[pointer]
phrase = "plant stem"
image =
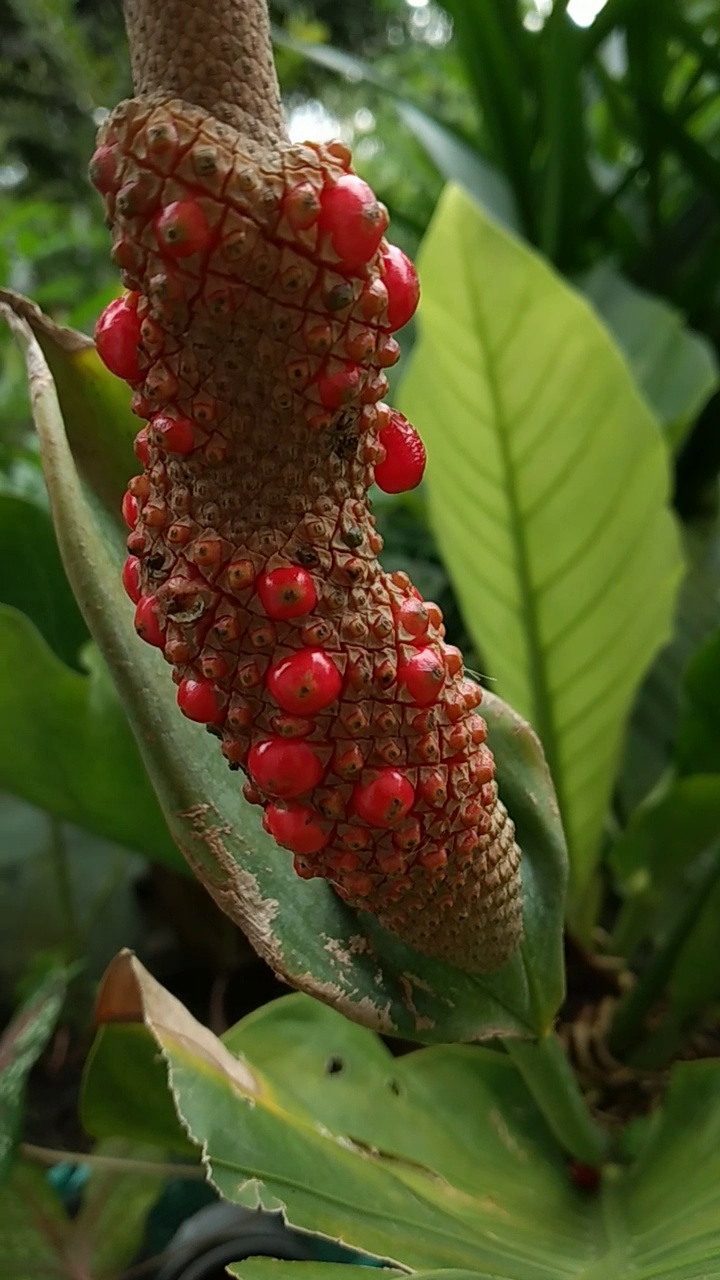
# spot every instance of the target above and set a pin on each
(554, 1087)
(628, 1023)
(61, 873)
(217, 56)
(118, 1164)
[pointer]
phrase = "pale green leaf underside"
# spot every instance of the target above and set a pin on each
(548, 484)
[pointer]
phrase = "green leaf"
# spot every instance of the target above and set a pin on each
(651, 858)
(34, 1228)
(548, 485)
(32, 578)
(301, 928)
(566, 184)
(66, 746)
(698, 740)
(675, 368)
(21, 1044)
(435, 1161)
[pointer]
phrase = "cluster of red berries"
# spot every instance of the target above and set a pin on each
(256, 327)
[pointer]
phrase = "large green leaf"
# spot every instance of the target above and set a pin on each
(675, 368)
(32, 578)
(66, 745)
(436, 1161)
(548, 483)
(698, 741)
(301, 928)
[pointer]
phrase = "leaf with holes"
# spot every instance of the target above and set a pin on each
(548, 484)
(437, 1161)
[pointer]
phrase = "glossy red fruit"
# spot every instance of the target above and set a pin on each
(117, 335)
(130, 510)
(305, 683)
(142, 447)
(338, 389)
(182, 229)
(403, 287)
(197, 700)
(385, 799)
(147, 624)
(412, 619)
(404, 463)
(284, 768)
(295, 828)
(354, 219)
(174, 434)
(423, 675)
(287, 593)
(102, 170)
(131, 578)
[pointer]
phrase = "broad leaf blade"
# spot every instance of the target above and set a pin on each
(675, 368)
(548, 484)
(452, 1170)
(302, 929)
(50, 712)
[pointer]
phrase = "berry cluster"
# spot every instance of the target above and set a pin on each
(262, 298)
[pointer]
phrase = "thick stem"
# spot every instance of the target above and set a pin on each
(217, 56)
(554, 1086)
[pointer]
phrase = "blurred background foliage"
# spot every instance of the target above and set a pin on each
(589, 129)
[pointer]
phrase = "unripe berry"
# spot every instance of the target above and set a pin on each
(197, 700)
(339, 388)
(287, 593)
(182, 229)
(354, 220)
(117, 335)
(147, 624)
(404, 463)
(102, 170)
(305, 683)
(295, 828)
(423, 675)
(131, 578)
(385, 799)
(403, 287)
(141, 446)
(284, 768)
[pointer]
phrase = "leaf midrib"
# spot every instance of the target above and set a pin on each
(542, 718)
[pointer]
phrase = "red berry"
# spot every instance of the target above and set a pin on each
(287, 593)
(423, 675)
(305, 683)
(405, 457)
(383, 801)
(146, 622)
(284, 768)
(174, 434)
(142, 447)
(585, 1176)
(295, 828)
(130, 510)
(102, 170)
(402, 285)
(117, 334)
(338, 389)
(197, 700)
(354, 219)
(131, 578)
(182, 228)
(412, 618)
